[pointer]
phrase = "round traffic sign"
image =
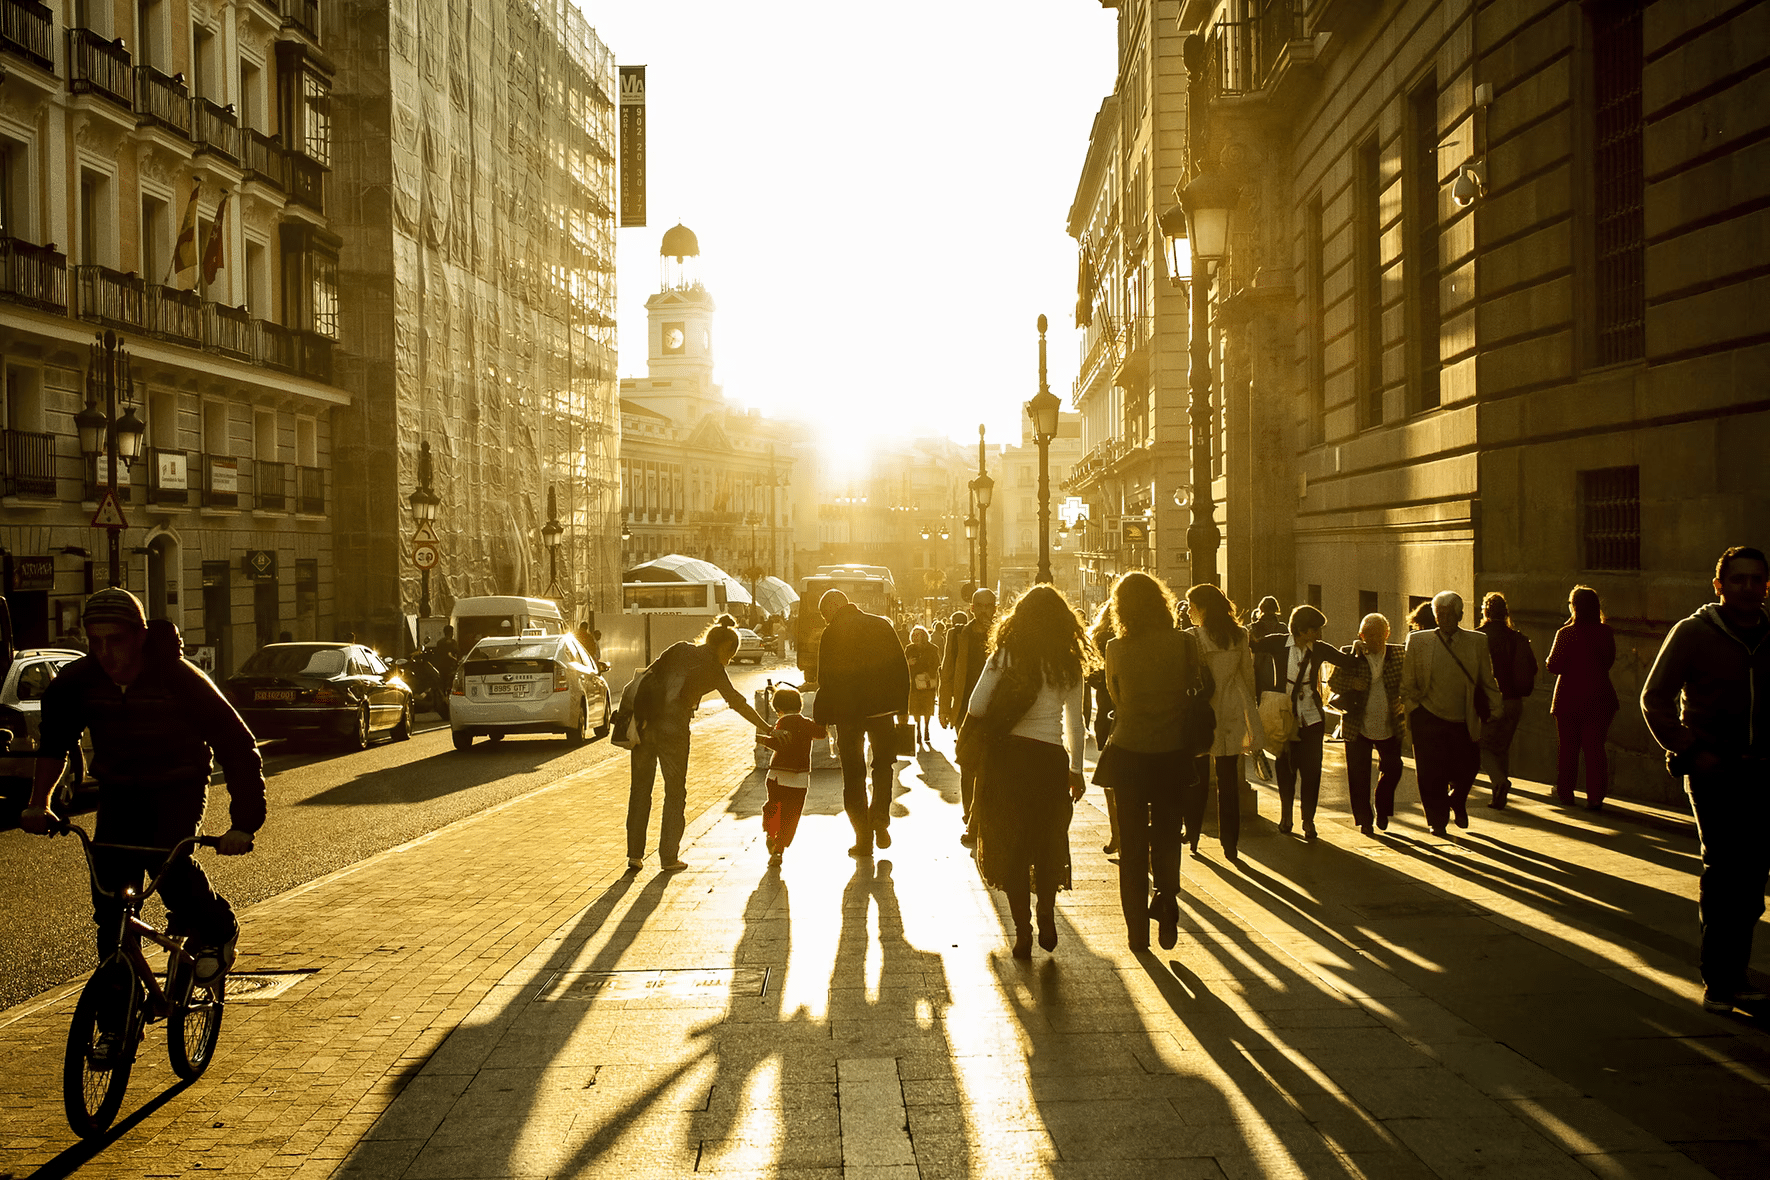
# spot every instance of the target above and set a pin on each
(424, 556)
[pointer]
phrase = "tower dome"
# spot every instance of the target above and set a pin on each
(680, 243)
(679, 260)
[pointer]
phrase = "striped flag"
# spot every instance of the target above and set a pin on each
(184, 251)
(212, 251)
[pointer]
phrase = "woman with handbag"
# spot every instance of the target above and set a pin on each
(1230, 658)
(1028, 703)
(924, 661)
(1300, 656)
(1151, 668)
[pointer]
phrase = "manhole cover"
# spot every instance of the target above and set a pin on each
(669, 984)
(262, 985)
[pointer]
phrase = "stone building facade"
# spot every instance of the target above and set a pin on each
(114, 129)
(1490, 319)
(476, 172)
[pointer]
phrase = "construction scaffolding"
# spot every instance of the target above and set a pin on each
(487, 296)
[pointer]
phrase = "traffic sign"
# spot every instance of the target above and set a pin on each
(110, 512)
(424, 556)
(426, 534)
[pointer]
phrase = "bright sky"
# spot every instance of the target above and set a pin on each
(880, 193)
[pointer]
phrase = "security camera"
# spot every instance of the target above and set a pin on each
(1467, 187)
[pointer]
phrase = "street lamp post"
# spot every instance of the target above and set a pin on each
(103, 433)
(982, 488)
(1043, 410)
(971, 545)
(424, 503)
(550, 533)
(1200, 221)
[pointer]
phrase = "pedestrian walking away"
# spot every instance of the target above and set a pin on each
(1585, 700)
(863, 684)
(665, 703)
(1367, 694)
(789, 771)
(966, 650)
(157, 725)
(1229, 658)
(1151, 667)
(1097, 711)
(1514, 670)
(1028, 702)
(1448, 689)
(1268, 620)
(1300, 657)
(1707, 702)
(923, 659)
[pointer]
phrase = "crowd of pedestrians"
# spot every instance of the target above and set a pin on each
(1178, 692)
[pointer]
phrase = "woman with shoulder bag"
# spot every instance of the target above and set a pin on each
(1230, 658)
(1300, 656)
(1151, 668)
(1028, 701)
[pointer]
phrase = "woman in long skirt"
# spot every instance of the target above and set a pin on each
(1030, 696)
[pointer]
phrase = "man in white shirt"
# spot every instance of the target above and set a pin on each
(1369, 695)
(1448, 688)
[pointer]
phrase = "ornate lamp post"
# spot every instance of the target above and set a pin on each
(1043, 409)
(103, 433)
(550, 533)
(971, 546)
(424, 502)
(1200, 221)
(982, 489)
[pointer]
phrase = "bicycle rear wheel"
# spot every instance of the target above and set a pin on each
(91, 1091)
(195, 1023)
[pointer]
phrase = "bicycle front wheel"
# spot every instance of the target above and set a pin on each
(195, 1024)
(92, 1082)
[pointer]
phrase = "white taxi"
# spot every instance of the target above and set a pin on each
(528, 683)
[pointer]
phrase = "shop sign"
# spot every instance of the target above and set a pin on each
(33, 573)
(101, 472)
(224, 476)
(1136, 533)
(259, 564)
(172, 470)
(632, 145)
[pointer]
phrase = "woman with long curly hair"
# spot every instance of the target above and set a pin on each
(1150, 667)
(1224, 645)
(1030, 693)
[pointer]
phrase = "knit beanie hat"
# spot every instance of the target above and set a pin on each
(114, 605)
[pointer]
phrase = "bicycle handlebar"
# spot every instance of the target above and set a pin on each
(65, 827)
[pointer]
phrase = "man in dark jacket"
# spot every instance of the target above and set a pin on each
(1707, 701)
(863, 684)
(966, 650)
(155, 719)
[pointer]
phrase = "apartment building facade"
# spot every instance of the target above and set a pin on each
(124, 124)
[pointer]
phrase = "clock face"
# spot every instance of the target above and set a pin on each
(673, 337)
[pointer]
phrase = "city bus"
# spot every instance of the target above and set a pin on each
(870, 587)
(674, 598)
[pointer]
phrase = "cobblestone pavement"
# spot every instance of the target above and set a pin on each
(501, 998)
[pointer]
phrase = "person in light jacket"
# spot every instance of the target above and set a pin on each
(1585, 700)
(1300, 657)
(1230, 658)
(1448, 688)
(1368, 696)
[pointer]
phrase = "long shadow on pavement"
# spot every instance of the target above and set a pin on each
(438, 775)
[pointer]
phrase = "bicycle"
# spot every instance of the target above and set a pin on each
(93, 1080)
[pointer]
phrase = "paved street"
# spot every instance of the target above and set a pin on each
(500, 998)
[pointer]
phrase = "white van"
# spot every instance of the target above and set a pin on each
(503, 614)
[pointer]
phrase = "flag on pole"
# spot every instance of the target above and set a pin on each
(184, 251)
(212, 251)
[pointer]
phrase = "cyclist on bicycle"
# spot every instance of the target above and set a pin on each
(154, 719)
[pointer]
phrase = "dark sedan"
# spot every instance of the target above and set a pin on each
(341, 691)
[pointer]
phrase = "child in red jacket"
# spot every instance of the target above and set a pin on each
(789, 771)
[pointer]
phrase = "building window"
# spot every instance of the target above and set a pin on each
(1369, 282)
(1314, 267)
(1420, 176)
(1619, 225)
(316, 118)
(310, 278)
(1610, 518)
(12, 168)
(1367, 604)
(325, 294)
(1315, 595)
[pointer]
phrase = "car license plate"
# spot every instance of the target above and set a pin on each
(270, 695)
(505, 687)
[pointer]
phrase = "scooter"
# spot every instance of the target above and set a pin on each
(429, 682)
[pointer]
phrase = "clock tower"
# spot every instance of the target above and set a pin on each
(680, 321)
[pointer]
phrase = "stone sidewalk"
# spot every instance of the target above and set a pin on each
(502, 999)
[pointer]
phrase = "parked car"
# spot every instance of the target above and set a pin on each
(530, 683)
(321, 690)
(21, 705)
(750, 647)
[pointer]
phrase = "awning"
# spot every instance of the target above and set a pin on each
(775, 596)
(674, 567)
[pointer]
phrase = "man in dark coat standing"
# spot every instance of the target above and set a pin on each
(863, 684)
(967, 648)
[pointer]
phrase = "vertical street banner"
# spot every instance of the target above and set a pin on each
(632, 146)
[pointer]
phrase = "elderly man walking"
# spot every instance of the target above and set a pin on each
(863, 684)
(1448, 688)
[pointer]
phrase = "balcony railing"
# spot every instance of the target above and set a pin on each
(169, 476)
(215, 129)
(162, 99)
(27, 28)
(269, 486)
(30, 463)
(262, 157)
(109, 297)
(303, 15)
(230, 331)
(314, 354)
(310, 491)
(276, 347)
(1244, 51)
(175, 315)
(305, 181)
(98, 65)
(32, 274)
(221, 481)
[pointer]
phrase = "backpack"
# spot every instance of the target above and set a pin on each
(1521, 666)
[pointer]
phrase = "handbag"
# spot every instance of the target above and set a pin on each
(1279, 719)
(1483, 710)
(1198, 721)
(1013, 696)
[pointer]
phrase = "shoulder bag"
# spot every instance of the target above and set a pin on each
(1483, 710)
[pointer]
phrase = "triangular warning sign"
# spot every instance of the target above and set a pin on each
(110, 513)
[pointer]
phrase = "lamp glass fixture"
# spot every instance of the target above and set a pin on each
(130, 431)
(91, 423)
(985, 488)
(971, 528)
(1043, 409)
